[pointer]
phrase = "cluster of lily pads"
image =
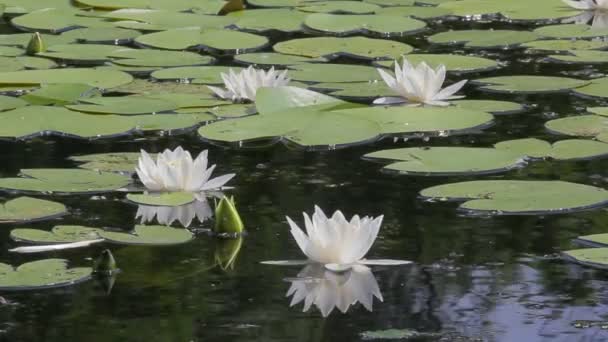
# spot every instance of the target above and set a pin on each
(98, 69)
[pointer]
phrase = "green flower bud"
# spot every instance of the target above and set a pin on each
(35, 45)
(227, 218)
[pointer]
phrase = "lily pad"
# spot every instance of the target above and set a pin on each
(597, 240)
(263, 20)
(529, 84)
(169, 199)
(59, 234)
(101, 35)
(11, 51)
(205, 6)
(484, 38)
(232, 111)
(491, 106)
(203, 74)
(522, 10)
(315, 72)
(340, 7)
(158, 58)
(75, 53)
(18, 7)
(149, 235)
(274, 59)
(169, 122)
(593, 257)
(64, 181)
(109, 162)
(565, 45)
(160, 20)
(41, 274)
(582, 126)
(27, 209)
(150, 87)
(384, 25)
(453, 63)
(570, 31)
(56, 20)
(506, 197)
(97, 78)
(126, 105)
(60, 94)
(9, 102)
(226, 41)
(584, 57)
(332, 47)
(597, 87)
(355, 90)
(420, 12)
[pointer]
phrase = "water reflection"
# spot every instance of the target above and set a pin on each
(597, 19)
(184, 214)
(327, 290)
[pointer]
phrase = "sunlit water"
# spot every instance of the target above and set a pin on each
(473, 278)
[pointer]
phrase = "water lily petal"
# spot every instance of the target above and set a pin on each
(285, 262)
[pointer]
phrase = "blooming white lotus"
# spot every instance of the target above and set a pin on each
(184, 214)
(418, 85)
(328, 290)
(587, 5)
(335, 242)
(244, 85)
(176, 171)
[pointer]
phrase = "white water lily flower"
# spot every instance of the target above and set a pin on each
(597, 17)
(419, 85)
(335, 242)
(176, 171)
(184, 214)
(587, 5)
(244, 85)
(328, 290)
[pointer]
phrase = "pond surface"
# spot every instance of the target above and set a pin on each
(473, 277)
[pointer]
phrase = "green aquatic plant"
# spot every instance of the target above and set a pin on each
(36, 44)
(227, 218)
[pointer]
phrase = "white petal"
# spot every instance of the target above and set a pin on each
(217, 183)
(449, 91)
(55, 247)
(338, 267)
(389, 100)
(286, 262)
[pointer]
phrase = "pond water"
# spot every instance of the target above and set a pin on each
(473, 277)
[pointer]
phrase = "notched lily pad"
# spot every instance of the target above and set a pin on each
(264, 20)
(149, 235)
(96, 78)
(339, 7)
(168, 199)
(41, 274)
(332, 47)
(453, 63)
(27, 209)
(582, 125)
(109, 162)
(565, 45)
(507, 197)
(126, 105)
(570, 31)
(597, 87)
(64, 181)
(484, 38)
(59, 234)
(384, 25)
(529, 84)
(325, 72)
(268, 59)
(520, 10)
(592, 257)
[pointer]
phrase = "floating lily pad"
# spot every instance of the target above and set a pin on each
(189, 100)
(30, 62)
(126, 105)
(158, 58)
(453, 63)
(8, 102)
(170, 122)
(315, 72)
(27, 209)
(160, 20)
(391, 2)
(232, 111)
(151, 87)
(109, 162)
(97, 78)
(22, 39)
(384, 25)
(227, 41)
(75, 53)
(593, 257)
(56, 20)
(484, 38)
(169, 199)
(340, 7)
(203, 74)
(584, 57)
(64, 181)
(263, 20)
(529, 84)
(274, 59)
(355, 90)
(101, 35)
(582, 126)
(421, 12)
(59, 234)
(149, 235)
(565, 45)
(205, 6)
(516, 9)
(597, 240)
(60, 94)
(491, 106)
(506, 197)
(11, 51)
(17, 7)
(41, 274)
(332, 47)
(571, 31)
(597, 87)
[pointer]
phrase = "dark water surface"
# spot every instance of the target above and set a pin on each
(473, 278)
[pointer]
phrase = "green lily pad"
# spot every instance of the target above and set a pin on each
(565, 45)
(125, 105)
(9, 102)
(516, 10)
(101, 35)
(93, 54)
(30, 62)
(189, 100)
(506, 197)
(585, 57)
(59, 234)
(597, 87)
(11, 51)
(529, 84)
(491, 106)
(420, 12)
(595, 126)
(64, 181)
(97, 78)
(226, 41)
(340, 7)
(332, 47)
(41, 274)
(170, 122)
(149, 235)
(570, 31)
(598, 240)
(232, 111)
(151, 87)
(27, 209)
(158, 58)
(202, 74)
(22, 39)
(453, 63)
(324, 72)
(169, 199)
(484, 38)
(56, 20)
(355, 90)
(384, 25)
(160, 20)
(263, 20)
(391, 2)
(204, 6)
(268, 59)
(108, 162)
(60, 94)
(593, 257)
(18, 7)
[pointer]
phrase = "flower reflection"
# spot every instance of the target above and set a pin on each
(327, 290)
(184, 214)
(597, 19)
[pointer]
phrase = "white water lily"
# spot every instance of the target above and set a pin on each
(587, 5)
(244, 85)
(419, 85)
(184, 214)
(328, 290)
(598, 18)
(335, 242)
(177, 171)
